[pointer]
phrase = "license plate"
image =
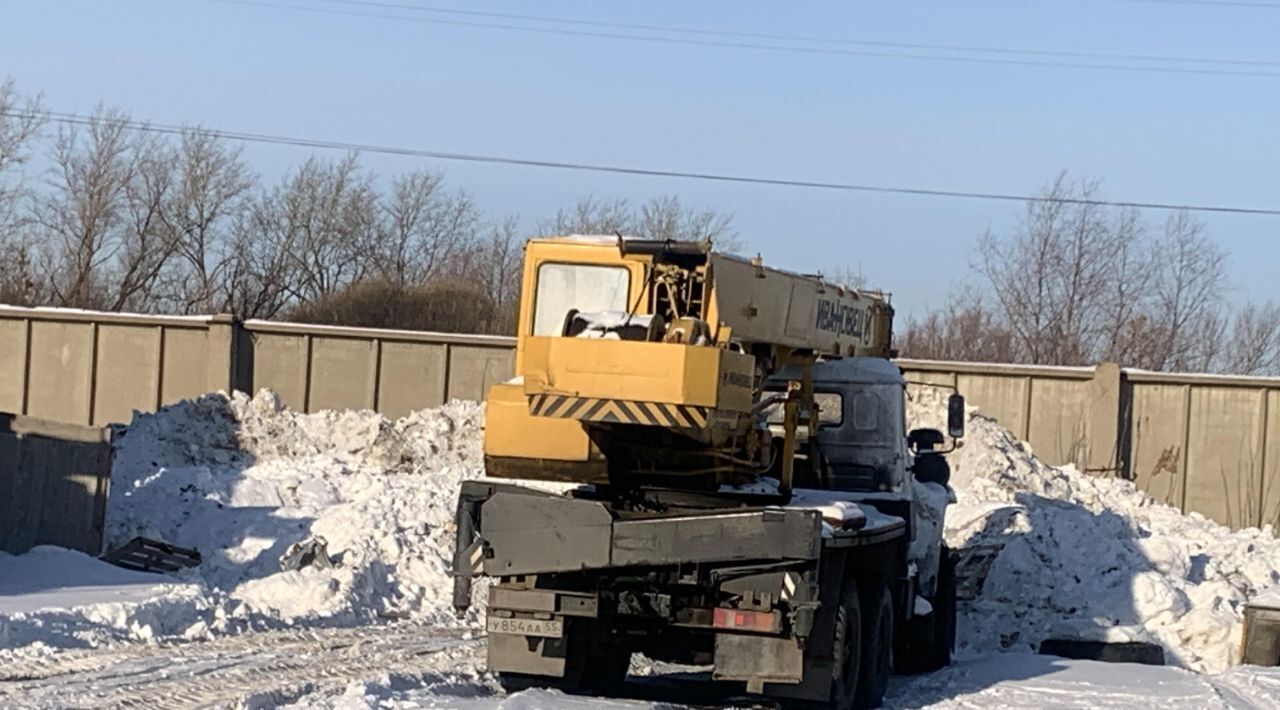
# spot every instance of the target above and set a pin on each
(546, 628)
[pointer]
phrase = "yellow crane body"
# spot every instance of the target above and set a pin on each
(643, 358)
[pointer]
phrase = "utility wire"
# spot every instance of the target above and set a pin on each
(808, 39)
(247, 137)
(762, 47)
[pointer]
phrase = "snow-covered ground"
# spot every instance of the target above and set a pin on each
(243, 480)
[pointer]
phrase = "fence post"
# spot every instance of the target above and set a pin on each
(226, 370)
(1104, 423)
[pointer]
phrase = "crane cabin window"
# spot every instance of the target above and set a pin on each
(586, 287)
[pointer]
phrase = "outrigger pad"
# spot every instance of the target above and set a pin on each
(143, 554)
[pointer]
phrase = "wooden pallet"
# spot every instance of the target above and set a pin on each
(147, 555)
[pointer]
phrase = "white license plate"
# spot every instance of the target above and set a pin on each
(546, 628)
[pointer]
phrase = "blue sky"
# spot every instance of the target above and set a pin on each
(1182, 138)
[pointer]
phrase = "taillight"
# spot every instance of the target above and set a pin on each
(765, 622)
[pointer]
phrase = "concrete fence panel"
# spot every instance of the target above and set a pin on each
(132, 349)
(344, 373)
(1271, 460)
(391, 371)
(60, 364)
(96, 368)
(1224, 468)
(1206, 444)
(412, 373)
(1158, 456)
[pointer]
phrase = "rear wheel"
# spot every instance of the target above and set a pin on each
(877, 645)
(591, 664)
(847, 650)
(933, 637)
(944, 630)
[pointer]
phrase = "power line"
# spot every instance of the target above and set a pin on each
(764, 47)
(433, 9)
(247, 137)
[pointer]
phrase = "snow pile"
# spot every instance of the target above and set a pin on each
(1092, 557)
(52, 597)
(242, 480)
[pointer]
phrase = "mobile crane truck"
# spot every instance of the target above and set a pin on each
(704, 460)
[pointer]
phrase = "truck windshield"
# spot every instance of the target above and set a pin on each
(586, 287)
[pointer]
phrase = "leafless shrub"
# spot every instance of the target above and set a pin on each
(447, 306)
(964, 330)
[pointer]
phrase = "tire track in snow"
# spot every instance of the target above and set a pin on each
(252, 668)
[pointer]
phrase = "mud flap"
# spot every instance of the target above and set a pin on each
(758, 660)
(513, 653)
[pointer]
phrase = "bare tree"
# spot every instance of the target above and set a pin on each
(257, 280)
(1254, 345)
(21, 119)
(590, 215)
(85, 209)
(663, 217)
(146, 241)
(497, 266)
(1188, 284)
(1126, 298)
(322, 219)
(210, 197)
(423, 229)
(1056, 278)
(666, 217)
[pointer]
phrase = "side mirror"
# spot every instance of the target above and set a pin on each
(955, 416)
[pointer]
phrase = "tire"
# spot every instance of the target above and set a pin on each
(944, 628)
(932, 638)
(877, 644)
(591, 664)
(847, 650)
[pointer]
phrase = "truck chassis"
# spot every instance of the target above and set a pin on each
(766, 594)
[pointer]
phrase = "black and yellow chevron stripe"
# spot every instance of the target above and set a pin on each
(618, 411)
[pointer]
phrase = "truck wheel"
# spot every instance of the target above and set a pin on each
(929, 644)
(944, 625)
(877, 645)
(593, 663)
(847, 650)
